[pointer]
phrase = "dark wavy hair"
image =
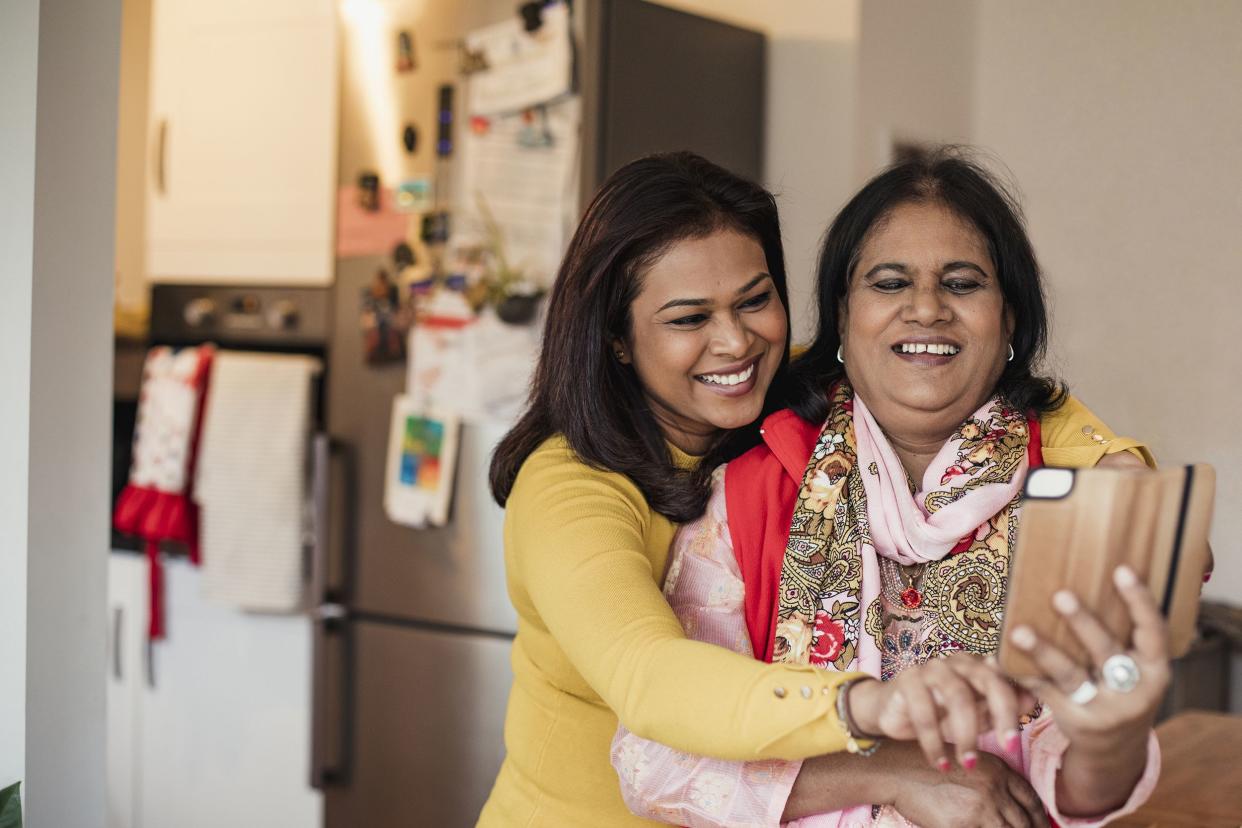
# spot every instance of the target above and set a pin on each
(580, 389)
(948, 176)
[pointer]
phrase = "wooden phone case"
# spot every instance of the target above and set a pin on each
(1078, 525)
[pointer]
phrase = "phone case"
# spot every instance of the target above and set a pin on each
(1078, 525)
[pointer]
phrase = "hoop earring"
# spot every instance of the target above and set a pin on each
(840, 356)
(1010, 353)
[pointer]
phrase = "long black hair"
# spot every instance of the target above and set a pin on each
(580, 389)
(947, 176)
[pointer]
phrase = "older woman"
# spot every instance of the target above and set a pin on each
(871, 531)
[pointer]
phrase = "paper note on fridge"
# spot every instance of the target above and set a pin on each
(422, 459)
(480, 370)
(522, 69)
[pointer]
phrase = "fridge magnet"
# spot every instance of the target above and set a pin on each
(417, 195)
(435, 228)
(402, 256)
(532, 16)
(422, 459)
(405, 52)
(409, 139)
(444, 121)
(383, 334)
(535, 133)
(470, 60)
(369, 191)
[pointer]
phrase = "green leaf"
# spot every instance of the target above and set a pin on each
(11, 807)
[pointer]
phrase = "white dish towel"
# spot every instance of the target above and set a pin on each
(251, 481)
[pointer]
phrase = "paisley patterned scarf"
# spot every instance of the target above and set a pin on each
(856, 505)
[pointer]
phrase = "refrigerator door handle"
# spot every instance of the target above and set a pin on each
(329, 730)
(321, 471)
(330, 651)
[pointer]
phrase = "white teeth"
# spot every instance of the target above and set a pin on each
(729, 379)
(926, 348)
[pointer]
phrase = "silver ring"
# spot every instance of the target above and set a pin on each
(1085, 693)
(1120, 673)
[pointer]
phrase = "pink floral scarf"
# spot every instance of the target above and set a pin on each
(856, 505)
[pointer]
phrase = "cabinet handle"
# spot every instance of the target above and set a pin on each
(118, 618)
(150, 659)
(161, 143)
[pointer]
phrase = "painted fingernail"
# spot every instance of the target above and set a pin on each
(1012, 741)
(1065, 602)
(1124, 576)
(969, 761)
(1207, 576)
(942, 764)
(1023, 638)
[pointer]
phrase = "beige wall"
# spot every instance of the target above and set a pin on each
(1122, 122)
(916, 75)
(809, 134)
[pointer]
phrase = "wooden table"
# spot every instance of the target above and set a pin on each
(1201, 775)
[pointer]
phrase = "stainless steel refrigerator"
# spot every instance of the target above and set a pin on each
(413, 628)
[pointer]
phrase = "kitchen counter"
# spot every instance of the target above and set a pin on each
(1201, 777)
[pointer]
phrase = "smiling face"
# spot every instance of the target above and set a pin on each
(707, 334)
(924, 326)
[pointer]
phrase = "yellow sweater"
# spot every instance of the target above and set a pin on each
(585, 558)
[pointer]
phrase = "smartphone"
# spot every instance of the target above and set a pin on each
(1078, 525)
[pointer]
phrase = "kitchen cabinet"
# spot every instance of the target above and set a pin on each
(242, 138)
(195, 739)
(127, 621)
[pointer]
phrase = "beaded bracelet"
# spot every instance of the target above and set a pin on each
(858, 745)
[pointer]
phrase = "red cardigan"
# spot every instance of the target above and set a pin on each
(761, 488)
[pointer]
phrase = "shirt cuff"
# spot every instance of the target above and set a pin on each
(1048, 746)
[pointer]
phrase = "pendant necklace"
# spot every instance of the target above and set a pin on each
(911, 596)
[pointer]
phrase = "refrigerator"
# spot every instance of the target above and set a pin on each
(413, 628)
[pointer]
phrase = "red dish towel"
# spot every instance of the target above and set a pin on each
(156, 504)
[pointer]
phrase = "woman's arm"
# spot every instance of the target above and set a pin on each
(705, 591)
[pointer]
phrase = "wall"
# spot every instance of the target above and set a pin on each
(19, 39)
(915, 77)
(809, 130)
(1121, 121)
(57, 120)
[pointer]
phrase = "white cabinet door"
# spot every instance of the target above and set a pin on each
(225, 730)
(243, 137)
(127, 623)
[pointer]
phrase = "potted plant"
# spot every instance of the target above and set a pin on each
(11, 806)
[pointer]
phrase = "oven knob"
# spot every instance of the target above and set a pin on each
(283, 316)
(199, 312)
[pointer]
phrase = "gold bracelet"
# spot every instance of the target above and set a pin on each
(854, 742)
